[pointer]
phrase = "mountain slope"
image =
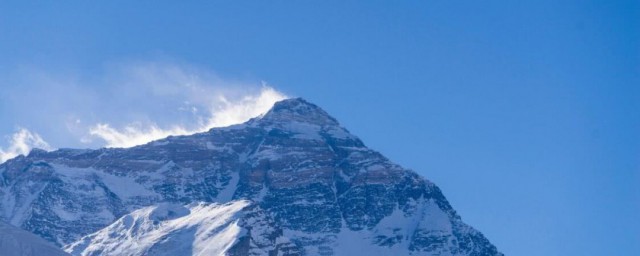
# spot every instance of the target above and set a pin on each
(17, 242)
(196, 229)
(320, 184)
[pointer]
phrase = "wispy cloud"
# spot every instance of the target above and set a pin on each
(21, 143)
(237, 111)
(132, 135)
(126, 104)
(224, 113)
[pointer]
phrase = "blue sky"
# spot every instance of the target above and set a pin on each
(527, 115)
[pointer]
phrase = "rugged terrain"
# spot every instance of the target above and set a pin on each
(291, 182)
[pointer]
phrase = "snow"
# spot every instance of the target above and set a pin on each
(375, 167)
(344, 176)
(17, 242)
(339, 133)
(226, 194)
(212, 228)
(124, 187)
(64, 214)
(304, 130)
(226, 148)
(168, 229)
(17, 209)
(298, 157)
(434, 218)
(399, 227)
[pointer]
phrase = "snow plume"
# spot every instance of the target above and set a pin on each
(132, 135)
(21, 143)
(129, 103)
(247, 107)
(179, 100)
(225, 112)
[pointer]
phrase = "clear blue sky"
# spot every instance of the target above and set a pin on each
(527, 115)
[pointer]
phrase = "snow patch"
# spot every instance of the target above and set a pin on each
(124, 187)
(226, 194)
(168, 229)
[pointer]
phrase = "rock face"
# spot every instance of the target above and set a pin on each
(318, 186)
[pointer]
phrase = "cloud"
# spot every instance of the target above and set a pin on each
(127, 103)
(21, 143)
(225, 113)
(249, 106)
(131, 135)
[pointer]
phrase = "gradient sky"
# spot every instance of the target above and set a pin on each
(527, 115)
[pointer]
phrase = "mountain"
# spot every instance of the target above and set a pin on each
(317, 187)
(17, 242)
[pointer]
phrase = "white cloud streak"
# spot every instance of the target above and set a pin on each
(131, 135)
(238, 111)
(21, 143)
(126, 104)
(224, 114)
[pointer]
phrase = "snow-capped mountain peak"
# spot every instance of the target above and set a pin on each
(298, 110)
(314, 188)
